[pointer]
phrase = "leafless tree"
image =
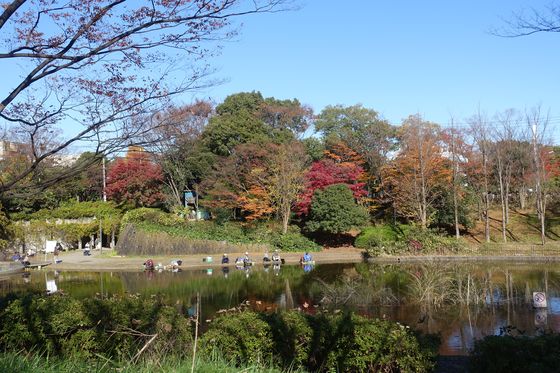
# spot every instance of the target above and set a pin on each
(538, 122)
(481, 135)
(95, 67)
(531, 21)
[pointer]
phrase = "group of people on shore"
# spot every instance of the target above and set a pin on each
(246, 259)
(175, 265)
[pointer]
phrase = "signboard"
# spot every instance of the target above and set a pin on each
(541, 318)
(50, 246)
(539, 299)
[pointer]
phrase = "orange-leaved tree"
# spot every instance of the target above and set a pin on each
(417, 175)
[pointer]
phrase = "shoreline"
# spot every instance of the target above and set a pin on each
(76, 261)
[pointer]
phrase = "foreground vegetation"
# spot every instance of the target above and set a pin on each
(133, 329)
(507, 353)
(32, 363)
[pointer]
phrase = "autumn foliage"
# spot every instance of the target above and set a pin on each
(135, 180)
(341, 165)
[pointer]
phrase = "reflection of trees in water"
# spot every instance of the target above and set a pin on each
(453, 292)
(357, 288)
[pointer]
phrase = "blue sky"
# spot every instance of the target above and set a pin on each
(395, 56)
(398, 57)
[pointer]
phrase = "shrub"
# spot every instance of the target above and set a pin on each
(293, 336)
(364, 345)
(333, 343)
(334, 210)
(516, 354)
(294, 242)
(244, 338)
(393, 240)
(117, 327)
(381, 239)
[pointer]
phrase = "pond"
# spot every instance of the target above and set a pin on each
(461, 301)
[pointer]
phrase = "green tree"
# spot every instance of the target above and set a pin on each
(314, 147)
(6, 232)
(362, 129)
(247, 117)
(236, 122)
(334, 210)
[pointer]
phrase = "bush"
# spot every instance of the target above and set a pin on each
(334, 210)
(244, 338)
(394, 240)
(516, 354)
(293, 242)
(332, 343)
(117, 327)
(293, 337)
(381, 239)
(363, 345)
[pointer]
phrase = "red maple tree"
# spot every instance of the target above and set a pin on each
(135, 180)
(341, 166)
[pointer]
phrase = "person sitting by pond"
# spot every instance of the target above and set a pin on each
(275, 256)
(149, 265)
(306, 258)
(175, 265)
(247, 259)
(16, 257)
(87, 249)
(225, 259)
(25, 261)
(266, 259)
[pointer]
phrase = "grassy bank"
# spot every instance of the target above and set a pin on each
(150, 232)
(33, 363)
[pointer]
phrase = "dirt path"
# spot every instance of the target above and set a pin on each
(76, 261)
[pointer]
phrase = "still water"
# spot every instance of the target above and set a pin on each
(460, 301)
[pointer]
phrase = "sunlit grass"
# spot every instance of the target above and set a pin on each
(16, 363)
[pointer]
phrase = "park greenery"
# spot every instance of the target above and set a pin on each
(249, 165)
(249, 160)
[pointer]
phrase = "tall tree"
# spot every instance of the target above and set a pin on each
(414, 179)
(287, 165)
(341, 165)
(363, 130)
(248, 117)
(135, 180)
(543, 157)
(84, 64)
(479, 165)
(179, 152)
(239, 182)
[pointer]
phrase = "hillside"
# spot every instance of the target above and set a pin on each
(523, 227)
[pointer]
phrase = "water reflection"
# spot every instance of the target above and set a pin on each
(462, 302)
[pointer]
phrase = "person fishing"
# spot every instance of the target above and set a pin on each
(225, 259)
(306, 258)
(149, 265)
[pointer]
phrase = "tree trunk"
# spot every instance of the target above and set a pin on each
(285, 220)
(486, 201)
(523, 197)
(502, 197)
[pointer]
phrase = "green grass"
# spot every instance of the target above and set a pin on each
(12, 362)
